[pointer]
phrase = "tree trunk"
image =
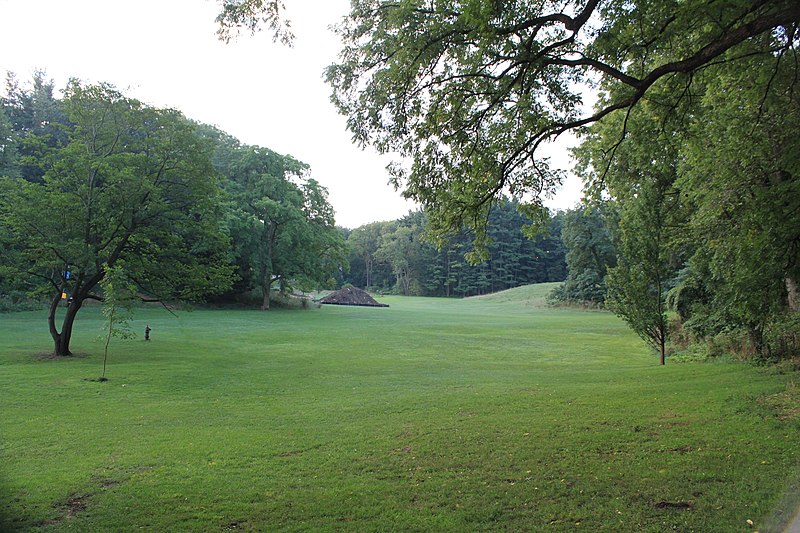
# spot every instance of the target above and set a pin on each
(791, 293)
(61, 340)
(756, 336)
(266, 288)
(266, 268)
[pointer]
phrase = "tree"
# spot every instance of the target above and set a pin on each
(251, 15)
(637, 286)
(590, 251)
(132, 185)
(269, 205)
(640, 179)
(368, 269)
(319, 250)
(364, 242)
(36, 117)
(281, 223)
(8, 148)
(399, 249)
(470, 91)
(118, 296)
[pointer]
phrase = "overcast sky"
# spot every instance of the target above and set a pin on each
(165, 53)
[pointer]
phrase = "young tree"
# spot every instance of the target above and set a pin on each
(132, 184)
(639, 174)
(637, 286)
(118, 295)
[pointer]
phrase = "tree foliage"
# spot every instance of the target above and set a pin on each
(741, 172)
(280, 221)
(397, 256)
(251, 15)
(131, 184)
(705, 171)
(469, 91)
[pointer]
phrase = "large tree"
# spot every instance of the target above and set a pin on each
(279, 218)
(132, 188)
(468, 91)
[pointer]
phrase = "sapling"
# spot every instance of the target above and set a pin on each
(118, 295)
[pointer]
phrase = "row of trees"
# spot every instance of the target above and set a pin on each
(701, 206)
(396, 256)
(96, 181)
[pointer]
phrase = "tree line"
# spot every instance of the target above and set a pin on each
(694, 234)
(96, 181)
(397, 256)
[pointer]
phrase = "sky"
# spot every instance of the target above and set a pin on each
(166, 54)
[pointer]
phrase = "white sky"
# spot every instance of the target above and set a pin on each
(165, 53)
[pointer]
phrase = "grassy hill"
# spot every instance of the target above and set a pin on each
(527, 295)
(490, 413)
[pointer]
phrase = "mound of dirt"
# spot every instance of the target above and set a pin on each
(351, 296)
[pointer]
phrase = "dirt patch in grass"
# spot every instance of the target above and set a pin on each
(685, 506)
(74, 505)
(682, 449)
(77, 503)
(68, 509)
(105, 482)
(786, 404)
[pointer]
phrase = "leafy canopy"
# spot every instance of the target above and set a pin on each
(468, 91)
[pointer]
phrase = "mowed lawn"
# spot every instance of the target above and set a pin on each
(492, 413)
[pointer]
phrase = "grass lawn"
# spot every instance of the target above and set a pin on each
(491, 413)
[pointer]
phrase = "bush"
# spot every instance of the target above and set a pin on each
(18, 301)
(292, 301)
(782, 336)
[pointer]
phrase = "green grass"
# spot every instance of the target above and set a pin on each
(491, 413)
